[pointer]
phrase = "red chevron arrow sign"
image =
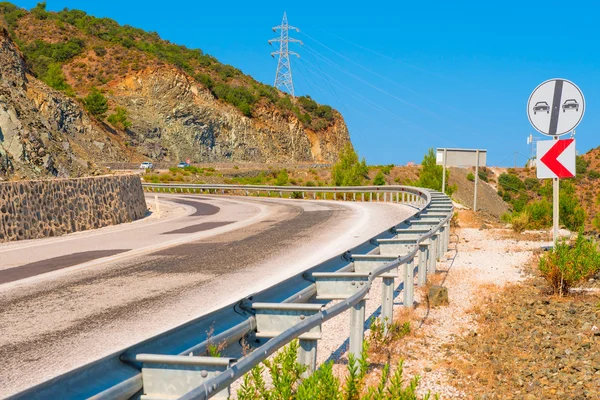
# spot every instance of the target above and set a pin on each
(556, 159)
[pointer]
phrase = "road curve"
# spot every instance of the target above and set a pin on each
(74, 315)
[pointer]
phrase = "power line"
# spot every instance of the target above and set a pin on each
(503, 127)
(386, 111)
(283, 76)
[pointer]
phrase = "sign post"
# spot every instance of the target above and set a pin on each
(555, 108)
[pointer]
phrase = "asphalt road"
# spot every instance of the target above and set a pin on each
(65, 308)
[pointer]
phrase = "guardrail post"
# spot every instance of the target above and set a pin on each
(441, 240)
(344, 196)
(357, 324)
(314, 195)
(302, 195)
(409, 282)
(362, 197)
(378, 197)
(387, 302)
(384, 197)
(280, 194)
(307, 355)
(397, 197)
(423, 258)
(353, 196)
(370, 196)
(433, 253)
(403, 197)
(447, 238)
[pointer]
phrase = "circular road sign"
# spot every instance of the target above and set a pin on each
(556, 107)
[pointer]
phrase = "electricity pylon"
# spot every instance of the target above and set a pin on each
(283, 77)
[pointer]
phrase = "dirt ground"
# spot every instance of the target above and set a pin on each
(502, 336)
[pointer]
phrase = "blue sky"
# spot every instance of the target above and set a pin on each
(407, 76)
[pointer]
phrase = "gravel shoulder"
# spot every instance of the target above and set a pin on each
(501, 336)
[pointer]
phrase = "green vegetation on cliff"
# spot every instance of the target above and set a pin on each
(46, 57)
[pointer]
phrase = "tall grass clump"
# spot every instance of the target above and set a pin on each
(570, 264)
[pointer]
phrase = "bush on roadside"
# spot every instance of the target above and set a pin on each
(287, 382)
(471, 177)
(379, 179)
(570, 264)
(282, 178)
(520, 221)
(349, 171)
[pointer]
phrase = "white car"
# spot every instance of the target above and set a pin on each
(146, 165)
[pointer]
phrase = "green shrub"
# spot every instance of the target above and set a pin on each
(540, 214)
(520, 221)
(572, 215)
(596, 223)
(287, 382)
(282, 178)
(379, 179)
(55, 78)
(471, 177)
(119, 119)
(581, 165)
(39, 11)
(100, 51)
(430, 175)
(96, 103)
(532, 184)
(308, 104)
(569, 264)
(483, 174)
(11, 13)
(310, 184)
(348, 171)
(387, 169)
(510, 182)
(593, 174)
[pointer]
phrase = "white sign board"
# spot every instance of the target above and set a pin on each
(556, 159)
(461, 157)
(556, 107)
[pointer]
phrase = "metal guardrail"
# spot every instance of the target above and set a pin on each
(173, 365)
(403, 194)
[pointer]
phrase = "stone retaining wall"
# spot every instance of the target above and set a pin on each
(38, 209)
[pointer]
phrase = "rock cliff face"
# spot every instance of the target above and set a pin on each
(186, 121)
(189, 111)
(41, 130)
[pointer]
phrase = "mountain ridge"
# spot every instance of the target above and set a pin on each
(163, 102)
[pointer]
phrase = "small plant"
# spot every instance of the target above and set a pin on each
(593, 174)
(570, 264)
(386, 169)
(379, 179)
(288, 382)
(471, 177)
(119, 119)
(520, 221)
(282, 178)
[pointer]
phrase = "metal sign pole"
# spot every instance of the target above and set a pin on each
(476, 181)
(444, 174)
(555, 196)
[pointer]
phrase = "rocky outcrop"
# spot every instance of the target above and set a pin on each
(38, 209)
(186, 122)
(174, 117)
(42, 131)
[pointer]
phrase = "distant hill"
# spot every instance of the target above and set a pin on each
(77, 91)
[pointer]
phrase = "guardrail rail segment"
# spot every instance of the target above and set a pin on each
(175, 364)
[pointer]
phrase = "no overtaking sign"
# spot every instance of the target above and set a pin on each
(556, 107)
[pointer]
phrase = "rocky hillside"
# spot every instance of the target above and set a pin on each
(77, 91)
